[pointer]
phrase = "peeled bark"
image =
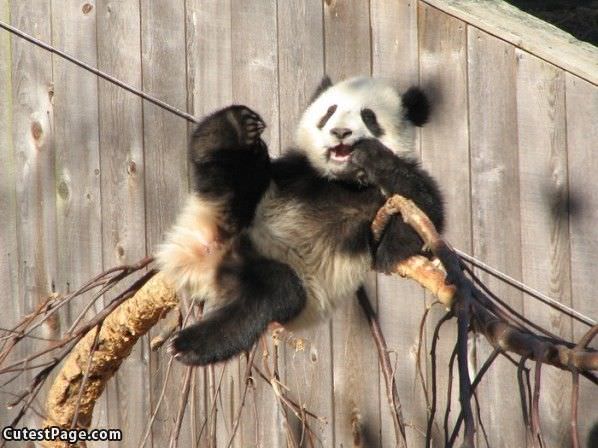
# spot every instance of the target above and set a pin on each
(118, 334)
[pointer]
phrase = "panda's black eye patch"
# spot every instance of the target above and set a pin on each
(369, 118)
(326, 116)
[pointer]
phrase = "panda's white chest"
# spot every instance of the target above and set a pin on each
(307, 239)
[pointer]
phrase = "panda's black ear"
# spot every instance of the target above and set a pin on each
(416, 106)
(325, 83)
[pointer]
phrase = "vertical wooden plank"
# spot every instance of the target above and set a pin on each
(9, 262)
(355, 363)
(209, 85)
(122, 184)
(582, 135)
(445, 153)
(301, 67)
(255, 83)
(495, 211)
(255, 62)
(395, 56)
(395, 40)
(164, 70)
(78, 199)
(544, 229)
(34, 157)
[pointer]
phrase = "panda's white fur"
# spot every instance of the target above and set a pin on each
(352, 96)
(311, 237)
(285, 231)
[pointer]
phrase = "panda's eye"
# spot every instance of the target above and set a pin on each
(326, 116)
(369, 118)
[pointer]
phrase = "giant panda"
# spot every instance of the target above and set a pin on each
(286, 240)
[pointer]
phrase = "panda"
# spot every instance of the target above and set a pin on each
(287, 240)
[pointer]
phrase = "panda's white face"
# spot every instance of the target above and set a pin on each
(346, 112)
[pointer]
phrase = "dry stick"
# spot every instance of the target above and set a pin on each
(392, 393)
(150, 423)
(94, 347)
(174, 439)
(120, 330)
(497, 331)
(18, 335)
(574, 400)
(210, 417)
(536, 430)
(583, 342)
(479, 417)
(248, 378)
(449, 393)
(474, 384)
(444, 318)
(413, 216)
(275, 383)
(76, 337)
(521, 369)
(420, 373)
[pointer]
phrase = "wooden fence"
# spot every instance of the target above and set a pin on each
(91, 176)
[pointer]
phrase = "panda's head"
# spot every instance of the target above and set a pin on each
(357, 108)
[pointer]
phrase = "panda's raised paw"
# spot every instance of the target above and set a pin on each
(248, 124)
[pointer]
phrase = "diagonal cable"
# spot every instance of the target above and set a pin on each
(187, 116)
(101, 74)
(538, 295)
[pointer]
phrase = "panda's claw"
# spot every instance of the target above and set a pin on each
(251, 126)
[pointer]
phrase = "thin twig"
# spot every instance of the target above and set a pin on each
(247, 380)
(392, 393)
(174, 438)
(447, 316)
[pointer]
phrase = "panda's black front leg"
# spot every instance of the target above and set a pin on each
(230, 162)
(395, 174)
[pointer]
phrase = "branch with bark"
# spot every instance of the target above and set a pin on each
(92, 351)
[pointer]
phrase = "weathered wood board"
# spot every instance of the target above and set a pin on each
(91, 177)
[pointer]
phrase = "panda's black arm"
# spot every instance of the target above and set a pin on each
(230, 163)
(398, 175)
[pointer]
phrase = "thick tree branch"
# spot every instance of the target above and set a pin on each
(133, 318)
(118, 334)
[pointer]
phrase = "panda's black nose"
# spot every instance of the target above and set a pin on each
(341, 133)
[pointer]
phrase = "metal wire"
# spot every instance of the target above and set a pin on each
(187, 116)
(101, 74)
(526, 289)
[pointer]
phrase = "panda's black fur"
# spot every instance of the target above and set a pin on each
(286, 240)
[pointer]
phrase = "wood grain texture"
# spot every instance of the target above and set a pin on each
(9, 278)
(395, 56)
(355, 363)
(34, 156)
(84, 188)
(544, 221)
(122, 182)
(78, 199)
(300, 68)
(255, 84)
(527, 32)
(163, 60)
(495, 210)
(394, 33)
(209, 87)
(582, 144)
(445, 153)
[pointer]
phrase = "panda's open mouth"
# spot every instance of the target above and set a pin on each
(340, 153)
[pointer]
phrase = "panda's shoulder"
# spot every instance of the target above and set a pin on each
(293, 168)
